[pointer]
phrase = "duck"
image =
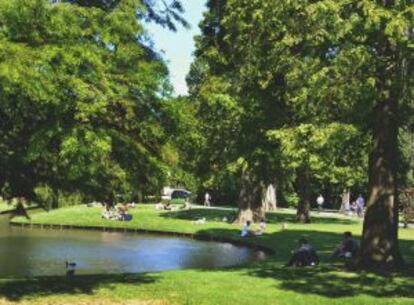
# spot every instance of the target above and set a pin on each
(70, 264)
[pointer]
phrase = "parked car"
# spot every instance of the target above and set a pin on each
(174, 193)
(180, 194)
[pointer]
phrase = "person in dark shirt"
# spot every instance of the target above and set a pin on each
(348, 248)
(304, 255)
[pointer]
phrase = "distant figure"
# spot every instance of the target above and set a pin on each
(360, 204)
(107, 212)
(304, 255)
(20, 208)
(262, 227)
(353, 207)
(348, 248)
(207, 199)
(200, 221)
(131, 204)
(319, 201)
(245, 229)
(70, 268)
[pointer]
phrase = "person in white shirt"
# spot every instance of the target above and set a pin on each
(262, 227)
(320, 201)
(207, 200)
(245, 229)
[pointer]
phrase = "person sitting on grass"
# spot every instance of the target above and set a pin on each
(245, 230)
(262, 227)
(348, 248)
(107, 212)
(304, 255)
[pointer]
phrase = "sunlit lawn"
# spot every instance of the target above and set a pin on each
(263, 282)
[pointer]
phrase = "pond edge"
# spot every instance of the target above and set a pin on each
(195, 236)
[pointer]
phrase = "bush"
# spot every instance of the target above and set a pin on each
(292, 200)
(65, 199)
(50, 199)
(45, 196)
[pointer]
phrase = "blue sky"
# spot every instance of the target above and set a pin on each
(178, 47)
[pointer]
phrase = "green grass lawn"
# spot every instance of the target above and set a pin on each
(264, 282)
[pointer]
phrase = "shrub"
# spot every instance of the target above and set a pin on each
(45, 196)
(292, 200)
(65, 199)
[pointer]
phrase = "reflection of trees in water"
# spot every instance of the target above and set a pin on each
(32, 252)
(111, 237)
(14, 257)
(213, 254)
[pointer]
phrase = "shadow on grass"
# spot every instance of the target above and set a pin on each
(275, 217)
(198, 213)
(330, 278)
(17, 289)
(272, 217)
(330, 282)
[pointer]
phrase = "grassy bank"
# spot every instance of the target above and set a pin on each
(258, 283)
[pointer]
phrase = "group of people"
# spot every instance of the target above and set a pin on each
(113, 212)
(356, 207)
(260, 230)
(305, 254)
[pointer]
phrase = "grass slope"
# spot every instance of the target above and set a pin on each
(263, 282)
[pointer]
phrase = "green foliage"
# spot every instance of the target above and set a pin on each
(327, 151)
(292, 199)
(45, 196)
(84, 102)
(69, 199)
(269, 67)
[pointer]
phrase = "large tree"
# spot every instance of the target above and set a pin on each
(83, 100)
(235, 112)
(325, 61)
(329, 154)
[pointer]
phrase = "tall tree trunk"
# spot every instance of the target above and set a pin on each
(345, 200)
(303, 211)
(379, 247)
(269, 200)
(250, 198)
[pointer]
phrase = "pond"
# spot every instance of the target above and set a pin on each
(36, 252)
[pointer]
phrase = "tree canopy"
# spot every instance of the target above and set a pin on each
(84, 101)
(295, 69)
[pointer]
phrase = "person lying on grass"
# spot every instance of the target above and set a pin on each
(304, 255)
(348, 248)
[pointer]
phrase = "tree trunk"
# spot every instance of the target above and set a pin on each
(269, 200)
(379, 247)
(303, 211)
(345, 201)
(250, 198)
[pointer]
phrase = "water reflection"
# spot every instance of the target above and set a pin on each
(34, 252)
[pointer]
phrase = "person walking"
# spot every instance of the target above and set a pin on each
(319, 201)
(207, 199)
(360, 204)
